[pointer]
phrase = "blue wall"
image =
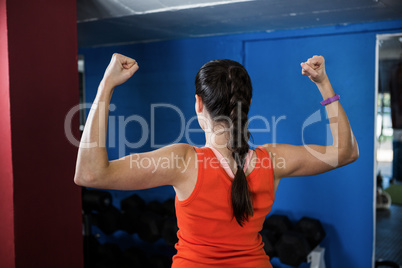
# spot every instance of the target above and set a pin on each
(342, 199)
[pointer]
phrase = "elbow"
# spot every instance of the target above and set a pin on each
(355, 151)
(78, 180)
(350, 156)
(355, 154)
(85, 180)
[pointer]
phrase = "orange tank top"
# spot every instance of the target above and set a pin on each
(209, 235)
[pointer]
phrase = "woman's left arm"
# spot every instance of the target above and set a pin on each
(307, 160)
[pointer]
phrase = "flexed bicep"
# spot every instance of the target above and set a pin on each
(166, 166)
(304, 160)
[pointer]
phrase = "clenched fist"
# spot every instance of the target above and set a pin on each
(120, 69)
(314, 68)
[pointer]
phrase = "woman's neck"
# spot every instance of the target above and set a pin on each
(218, 139)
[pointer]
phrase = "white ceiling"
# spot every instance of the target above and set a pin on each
(106, 22)
(101, 9)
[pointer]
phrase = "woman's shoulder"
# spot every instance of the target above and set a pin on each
(180, 148)
(263, 150)
(183, 151)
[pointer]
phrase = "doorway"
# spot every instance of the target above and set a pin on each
(388, 244)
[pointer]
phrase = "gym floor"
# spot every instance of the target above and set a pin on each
(389, 234)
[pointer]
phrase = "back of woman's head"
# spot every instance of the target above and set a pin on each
(225, 89)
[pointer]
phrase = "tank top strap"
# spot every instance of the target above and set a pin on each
(224, 163)
(264, 152)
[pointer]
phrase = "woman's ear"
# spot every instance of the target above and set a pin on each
(198, 104)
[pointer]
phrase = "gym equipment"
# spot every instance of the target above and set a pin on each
(165, 209)
(269, 241)
(292, 248)
(132, 202)
(169, 227)
(169, 230)
(134, 257)
(316, 258)
(91, 246)
(278, 224)
(131, 208)
(98, 255)
(294, 245)
(273, 228)
(109, 255)
(95, 200)
(169, 206)
(160, 261)
(385, 264)
(156, 207)
(129, 220)
(108, 221)
(150, 226)
(384, 200)
(312, 229)
(151, 221)
(301, 244)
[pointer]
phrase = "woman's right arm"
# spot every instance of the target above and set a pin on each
(170, 165)
(307, 160)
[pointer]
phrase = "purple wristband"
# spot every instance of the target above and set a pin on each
(330, 100)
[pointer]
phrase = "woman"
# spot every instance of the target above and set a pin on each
(223, 190)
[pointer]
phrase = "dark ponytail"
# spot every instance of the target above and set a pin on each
(225, 89)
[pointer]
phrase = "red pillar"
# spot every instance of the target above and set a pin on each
(7, 256)
(39, 82)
